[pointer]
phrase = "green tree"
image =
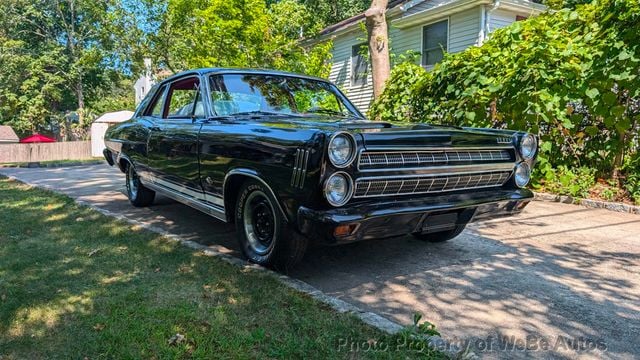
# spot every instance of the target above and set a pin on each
(332, 11)
(237, 33)
(59, 56)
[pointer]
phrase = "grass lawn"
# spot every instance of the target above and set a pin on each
(76, 284)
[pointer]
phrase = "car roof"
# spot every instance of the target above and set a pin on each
(206, 71)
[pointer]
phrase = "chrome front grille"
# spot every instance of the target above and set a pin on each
(374, 160)
(372, 187)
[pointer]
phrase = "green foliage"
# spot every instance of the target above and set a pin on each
(58, 57)
(565, 181)
(329, 12)
(395, 103)
(569, 76)
(423, 328)
(239, 33)
(565, 4)
(63, 62)
(632, 177)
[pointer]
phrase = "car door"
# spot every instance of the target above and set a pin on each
(173, 141)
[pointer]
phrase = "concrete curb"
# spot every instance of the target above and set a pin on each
(595, 204)
(38, 165)
(381, 323)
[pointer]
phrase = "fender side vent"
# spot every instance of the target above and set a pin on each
(300, 163)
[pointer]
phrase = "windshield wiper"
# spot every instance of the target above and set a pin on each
(260, 113)
(325, 111)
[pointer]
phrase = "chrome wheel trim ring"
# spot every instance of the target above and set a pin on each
(132, 183)
(251, 232)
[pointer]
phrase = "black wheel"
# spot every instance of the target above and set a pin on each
(139, 196)
(264, 235)
(440, 236)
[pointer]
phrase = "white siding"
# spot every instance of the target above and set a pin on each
(408, 39)
(500, 18)
(464, 29)
(340, 74)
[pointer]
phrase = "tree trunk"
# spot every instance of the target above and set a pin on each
(378, 37)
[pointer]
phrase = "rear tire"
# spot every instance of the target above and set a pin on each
(440, 236)
(138, 194)
(263, 233)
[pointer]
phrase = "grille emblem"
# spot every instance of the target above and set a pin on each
(503, 140)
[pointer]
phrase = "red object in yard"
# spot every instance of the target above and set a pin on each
(37, 138)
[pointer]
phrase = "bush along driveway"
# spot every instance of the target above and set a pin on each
(77, 284)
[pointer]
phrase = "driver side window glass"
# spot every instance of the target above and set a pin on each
(184, 99)
(158, 105)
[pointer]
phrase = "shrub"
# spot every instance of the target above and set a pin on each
(565, 181)
(569, 76)
(632, 177)
(395, 102)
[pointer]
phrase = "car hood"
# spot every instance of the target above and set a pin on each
(386, 135)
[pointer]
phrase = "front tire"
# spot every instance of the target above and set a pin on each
(440, 236)
(138, 194)
(263, 233)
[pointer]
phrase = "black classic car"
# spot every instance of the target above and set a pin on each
(290, 161)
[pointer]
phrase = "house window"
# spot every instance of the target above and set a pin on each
(434, 42)
(359, 64)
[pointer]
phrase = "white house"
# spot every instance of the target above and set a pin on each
(424, 27)
(99, 128)
(144, 82)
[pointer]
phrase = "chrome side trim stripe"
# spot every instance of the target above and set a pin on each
(148, 179)
(209, 209)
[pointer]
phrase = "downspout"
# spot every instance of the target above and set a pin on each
(487, 19)
(483, 24)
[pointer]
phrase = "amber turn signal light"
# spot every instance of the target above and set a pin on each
(344, 230)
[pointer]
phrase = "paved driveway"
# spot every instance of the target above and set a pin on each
(559, 276)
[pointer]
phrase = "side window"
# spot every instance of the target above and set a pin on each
(434, 42)
(184, 99)
(359, 64)
(155, 109)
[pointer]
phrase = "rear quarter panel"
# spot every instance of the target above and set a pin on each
(129, 139)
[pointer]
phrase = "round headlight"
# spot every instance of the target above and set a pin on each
(528, 146)
(338, 189)
(522, 174)
(342, 149)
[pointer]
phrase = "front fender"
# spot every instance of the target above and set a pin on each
(254, 174)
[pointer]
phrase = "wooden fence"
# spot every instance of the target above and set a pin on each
(22, 153)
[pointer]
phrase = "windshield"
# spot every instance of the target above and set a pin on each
(263, 94)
